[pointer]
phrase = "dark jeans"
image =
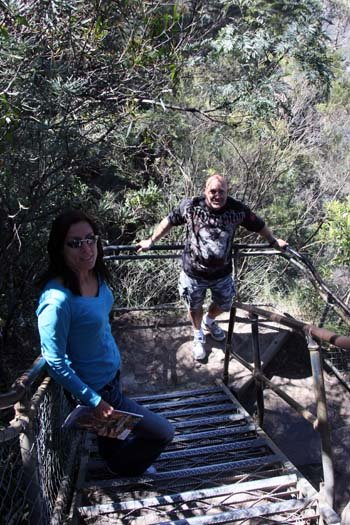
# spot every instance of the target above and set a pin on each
(141, 448)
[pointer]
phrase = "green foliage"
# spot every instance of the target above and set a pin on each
(335, 231)
(71, 80)
(263, 38)
(123, 107)
(340, 95)
(141, 204)
(146, 283)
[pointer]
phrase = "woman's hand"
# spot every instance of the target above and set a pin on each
(103, 410)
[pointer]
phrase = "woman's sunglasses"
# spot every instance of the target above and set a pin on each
(78, 243)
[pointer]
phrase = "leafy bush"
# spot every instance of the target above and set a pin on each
(335, 232)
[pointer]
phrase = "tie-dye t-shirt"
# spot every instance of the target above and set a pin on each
(210, 233)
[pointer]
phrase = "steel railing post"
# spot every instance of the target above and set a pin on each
(322, 421)
(231, 324)
(257, 369)
(228, 345)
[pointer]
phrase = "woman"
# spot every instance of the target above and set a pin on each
(77, 342)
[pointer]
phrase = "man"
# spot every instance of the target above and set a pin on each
(211, 221)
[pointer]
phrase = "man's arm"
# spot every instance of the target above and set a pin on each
(162, 229)
(267, 234)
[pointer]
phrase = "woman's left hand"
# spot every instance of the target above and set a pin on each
(103, 410)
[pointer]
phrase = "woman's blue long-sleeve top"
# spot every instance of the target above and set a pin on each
(76, 340)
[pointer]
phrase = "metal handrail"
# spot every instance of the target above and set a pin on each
(303, 263)
(112, 252)
(320, 422)
(320, 334)
(170, 247)
(22, 384)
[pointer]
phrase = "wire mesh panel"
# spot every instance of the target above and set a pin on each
(36, 463)
(218, 469)
(144, 283)
(12, 485)
(339, 360)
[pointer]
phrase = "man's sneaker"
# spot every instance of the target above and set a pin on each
(151, 470)
(198, 347)
(215, 331)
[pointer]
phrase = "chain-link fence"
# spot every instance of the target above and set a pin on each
(37, 459)
(146, 283)
(338, 360)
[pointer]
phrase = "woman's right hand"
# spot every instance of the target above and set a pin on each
(103, 410)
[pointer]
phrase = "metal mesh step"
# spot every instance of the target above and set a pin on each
(186, 401)
(236, 493)
(220, 468)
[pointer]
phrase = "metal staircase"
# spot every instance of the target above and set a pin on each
(220, 468)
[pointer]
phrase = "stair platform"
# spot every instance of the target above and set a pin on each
(220, 468)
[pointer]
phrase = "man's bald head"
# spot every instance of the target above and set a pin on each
(216, 177)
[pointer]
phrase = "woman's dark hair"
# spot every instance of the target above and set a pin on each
(57, 265)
